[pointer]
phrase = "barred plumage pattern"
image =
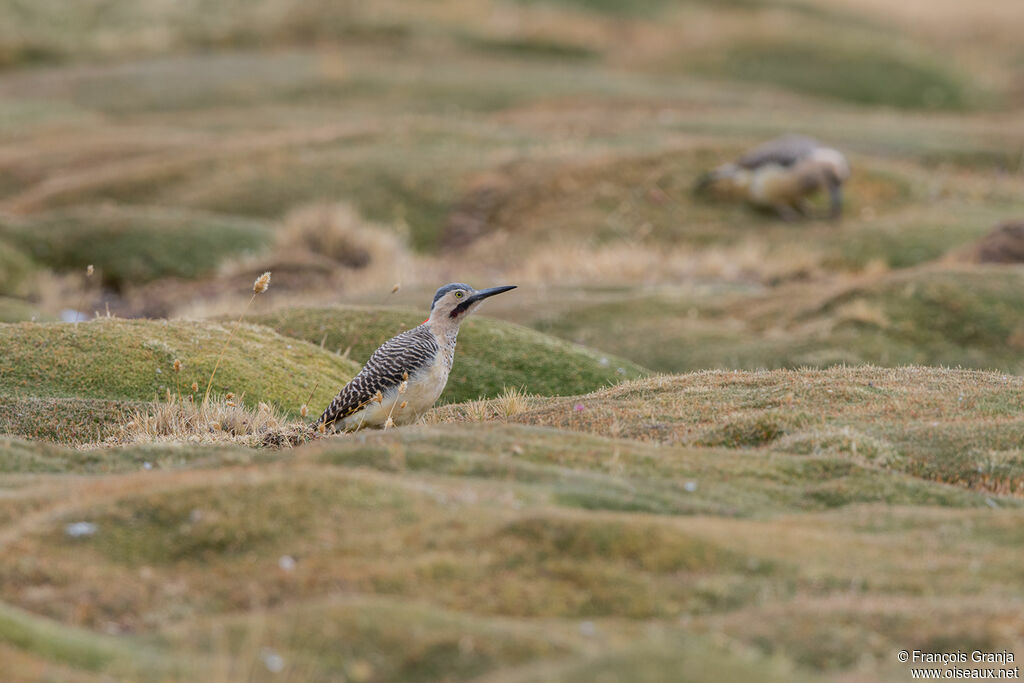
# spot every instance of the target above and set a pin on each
(408, 352)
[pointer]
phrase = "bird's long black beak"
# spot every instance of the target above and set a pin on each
(484, 293)
(479, 295)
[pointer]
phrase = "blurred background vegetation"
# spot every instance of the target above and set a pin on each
(179, 147)
(182, 147)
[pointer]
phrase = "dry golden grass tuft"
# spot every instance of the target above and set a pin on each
(862, 311)
(630, 262)
(216, 421)
(340, 233)
(511, 402)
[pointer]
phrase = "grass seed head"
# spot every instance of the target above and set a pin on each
(378, 397)
(304, 410)
(389, 423)
(398, 286)
(404, 404)
(177, 365)
(262, 283)
(89, 270)
(195, 387)
(321, 428)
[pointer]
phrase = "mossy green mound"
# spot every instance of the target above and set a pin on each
(848, 72)
(491, 355)
(955, 316)
(962, 316)
(31, 456)
(453, 551)
(573, 470)
(131, 245)
(62, 420)
(132, 360)
(962, 427)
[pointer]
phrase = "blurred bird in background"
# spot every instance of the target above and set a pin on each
(781, 175)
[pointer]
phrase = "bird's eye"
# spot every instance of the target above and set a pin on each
(458, 295)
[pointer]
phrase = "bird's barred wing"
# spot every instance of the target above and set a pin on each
(394, 361)
(784, 151)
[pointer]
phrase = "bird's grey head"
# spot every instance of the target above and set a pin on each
(453, 302)
(832, 162)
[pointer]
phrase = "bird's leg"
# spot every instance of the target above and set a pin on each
(835, 193)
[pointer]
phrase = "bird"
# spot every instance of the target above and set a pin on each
(781, 174)
(406, 374)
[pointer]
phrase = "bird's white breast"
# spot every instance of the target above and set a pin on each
(424, 389)
(421, 392)
(773, 183)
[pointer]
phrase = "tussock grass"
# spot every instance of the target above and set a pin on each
(511, 401)
(216, 421)
(339, 233)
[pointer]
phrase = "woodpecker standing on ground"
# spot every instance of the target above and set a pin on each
(781, 174)
(407, 373)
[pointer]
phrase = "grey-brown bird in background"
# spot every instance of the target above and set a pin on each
(781, 174)
(407, 373)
